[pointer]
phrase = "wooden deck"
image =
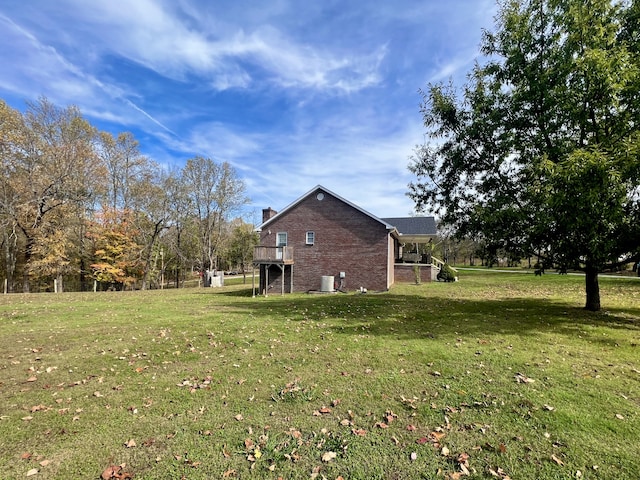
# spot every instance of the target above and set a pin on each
(273, 255)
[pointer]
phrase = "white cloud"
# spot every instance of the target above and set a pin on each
(163, 39)
(291, 94)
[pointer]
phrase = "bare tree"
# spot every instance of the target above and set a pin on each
(215, 193)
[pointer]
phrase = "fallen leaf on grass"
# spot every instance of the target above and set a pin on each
(619, 417)
(557, 460)
(520, 378)
(115, 471)
(499, 473)
(359, 432)
(328, 456)
(33, 471)
(131, 444)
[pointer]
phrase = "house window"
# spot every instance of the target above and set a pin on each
(311, 238)
(281, 239)
(281, 243)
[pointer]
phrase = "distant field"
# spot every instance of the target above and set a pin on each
(496, 376)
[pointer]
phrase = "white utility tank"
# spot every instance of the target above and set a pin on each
(326, 285)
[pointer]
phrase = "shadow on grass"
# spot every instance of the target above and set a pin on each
(419, 316)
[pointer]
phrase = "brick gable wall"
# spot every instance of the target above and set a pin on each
(346, 240)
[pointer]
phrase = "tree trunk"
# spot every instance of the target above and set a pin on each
(10, 242)
(26, 284)
(592, 289)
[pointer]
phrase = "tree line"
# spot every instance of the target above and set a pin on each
(82, 207)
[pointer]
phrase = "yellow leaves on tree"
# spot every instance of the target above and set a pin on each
(117, 253)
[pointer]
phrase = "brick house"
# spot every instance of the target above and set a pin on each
(322, 242)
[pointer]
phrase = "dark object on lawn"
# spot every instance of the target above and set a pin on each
(538, 272)
(446, 274)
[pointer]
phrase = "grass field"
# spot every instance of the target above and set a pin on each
(496, 376)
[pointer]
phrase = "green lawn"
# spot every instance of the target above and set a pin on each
(496, 376)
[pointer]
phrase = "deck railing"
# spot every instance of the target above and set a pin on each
(273, 254)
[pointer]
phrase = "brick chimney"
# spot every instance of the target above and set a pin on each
(268, 213)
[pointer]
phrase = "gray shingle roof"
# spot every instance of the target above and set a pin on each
(413, 225)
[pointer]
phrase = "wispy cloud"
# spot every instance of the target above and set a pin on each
(63, 79)
(291, 94)
(162, 38)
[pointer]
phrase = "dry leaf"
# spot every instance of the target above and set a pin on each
(499, 473)
(225, 452)
(131, 443)
(110, 472)
(328, 456)
(520, 378)
(557, 460)
(33, 471)
(239, 417)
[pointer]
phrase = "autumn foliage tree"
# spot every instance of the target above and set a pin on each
(42, 152)
(77, 203)
(117, 254)
(539, 152)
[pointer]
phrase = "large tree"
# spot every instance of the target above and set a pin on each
(44, 154)
(540, 151)
(215, 192)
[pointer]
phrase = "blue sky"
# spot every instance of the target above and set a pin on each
(291, 93)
